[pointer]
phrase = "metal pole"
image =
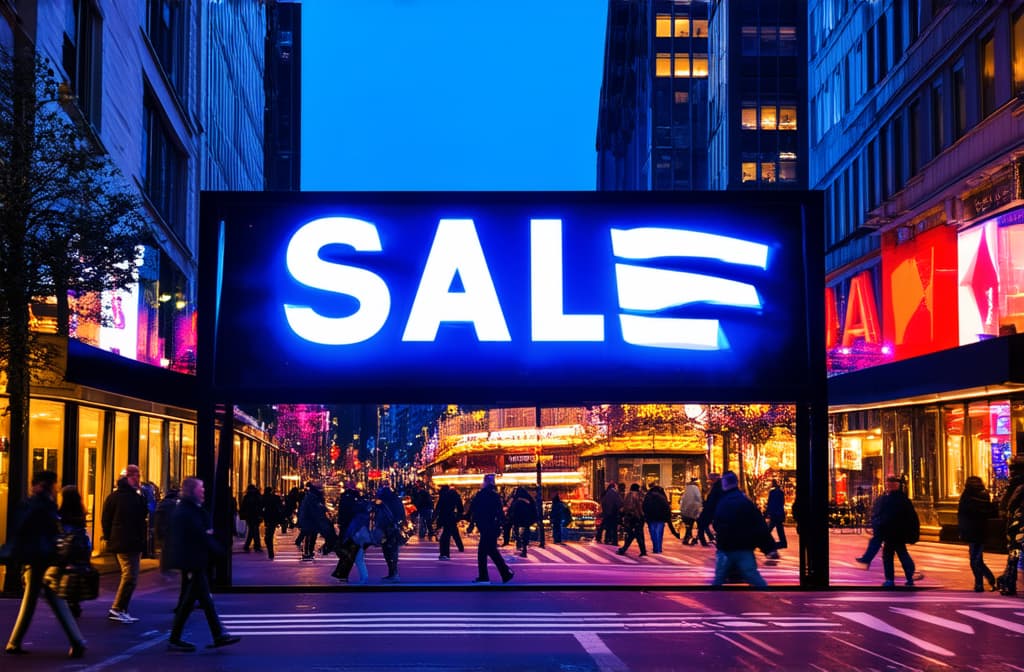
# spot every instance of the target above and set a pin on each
(540, 494)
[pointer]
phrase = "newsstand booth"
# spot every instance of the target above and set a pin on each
(515, 298)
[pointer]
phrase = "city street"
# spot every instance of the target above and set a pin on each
(436, 620)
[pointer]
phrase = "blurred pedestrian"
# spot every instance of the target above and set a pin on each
(424, 504)
(775, 511)
(973, 513)
(447, 514)
(658, 514)
(76, 549)
(389, 517)
(523, 512)
(1011, 506)
(559, 517)
(690, 506)
(354, 533)
(313, 521)
(33, 544)
(251, 512)
(291, 505)
(739, 529)
(611, 508)
(897, 524)
(633, 520)
(707, 513)
(191, 545)
(272, 509)
(162, 524)
(124, 527)
(487, 513)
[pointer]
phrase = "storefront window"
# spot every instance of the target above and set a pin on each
(46, 436)
(925, 446)
(121, 446)
(5, 464)
(956, 449)
(90, 434)
(188, 449)
(998, 447)
(174, 452)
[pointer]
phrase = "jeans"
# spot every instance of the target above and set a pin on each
(889, 549)
(776, 523)
(657, 531)
(689, 522)
(33, 580)
(424, 524)
(523, 539)
(252, 535)
(488, 548)
(129, 563)
(449, 533)
(740, 563)
(976, 552)
(634, 531)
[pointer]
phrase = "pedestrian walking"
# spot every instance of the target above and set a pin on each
(251, 512)
(388, 517)
(658, 514)
(896, 524)
(690, 506)
(611, 508)
(354, 532)
(272, 509)
(1011, 507)
(124, 527)
(973, 512)
(559, 517)
(633, 520)
(523, 512)
(487, 514)
(313, 521)
(424, 504)
(162, 524)
(775, 511)
(707, 514)
(192, 545)
(739, 529)
(291, 506)
(447, 514)
(74, 553)
(33, 545)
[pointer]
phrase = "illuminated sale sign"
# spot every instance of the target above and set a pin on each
(505, 296)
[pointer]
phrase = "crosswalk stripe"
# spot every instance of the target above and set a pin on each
(935, 620)
(876, 623)
(993, 620)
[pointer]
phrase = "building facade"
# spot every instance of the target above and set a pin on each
(917, 140)
(652, 116)
(757, 102)
(173, 93)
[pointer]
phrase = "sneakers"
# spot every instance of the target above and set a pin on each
(180, 645)
(508, 577)
(120, 616)
(863, 562)
(443, 557)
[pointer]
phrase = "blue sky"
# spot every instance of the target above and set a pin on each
(450, 94)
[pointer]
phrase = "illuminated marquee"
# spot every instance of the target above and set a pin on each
(506, 297)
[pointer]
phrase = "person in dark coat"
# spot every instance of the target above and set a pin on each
(162, 524)
(291, 505)
(273, 515)
(389, 517)
(488, 515)
(33, 540)
(78, 552)
(191, 546)
(559, 517)
(633, 520)
(775, 510)
(424, 504)
(124, 527)
(611, 508)
(251, 511)
(523, 512)
(354, 534)
(739, 529)
(313, 520)
(447, 514)
(1011, 508)
(658, 514)
(707, 514)
(896, 523)
(972, 513)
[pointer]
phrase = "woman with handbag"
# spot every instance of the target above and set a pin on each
(34, 539)
(354, 525)
(74, 577)
(389, 516)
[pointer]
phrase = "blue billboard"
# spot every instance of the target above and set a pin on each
(511, 297)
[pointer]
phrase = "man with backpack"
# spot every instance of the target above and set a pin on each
(896, 523)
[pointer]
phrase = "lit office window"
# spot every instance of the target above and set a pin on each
(663, 25)
(682, 27)
(787, 171)
(768, 172)
(769, 119)
(748, 171)
(1018, 53)
(700, 65)
(663, 65)
(748, 40)
(700, 28)
(748, 118)
(988, 76)
(787, 118)
(682, 65)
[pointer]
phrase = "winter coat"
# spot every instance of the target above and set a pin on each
(691, 503)
(190, 545)
(449, 508)
(33, 537)
(739, 526)
(486, 511)
(124, 519)
(273, 509)
(313, 513)
(895, 520)
(611, 503)
(560, 513)
(162, 516)
(632, 508)
(523, 511)
(251, 509)
(776, 506)
(656, 506)
(707, 514)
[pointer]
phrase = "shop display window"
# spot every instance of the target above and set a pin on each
(956, 450)
(90, 434)
(46, 436)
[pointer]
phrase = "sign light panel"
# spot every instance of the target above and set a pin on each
(509, 297)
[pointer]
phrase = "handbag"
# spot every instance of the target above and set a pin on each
(362, 536)
(74, 583)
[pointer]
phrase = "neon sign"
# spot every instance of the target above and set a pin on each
(508, 297)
